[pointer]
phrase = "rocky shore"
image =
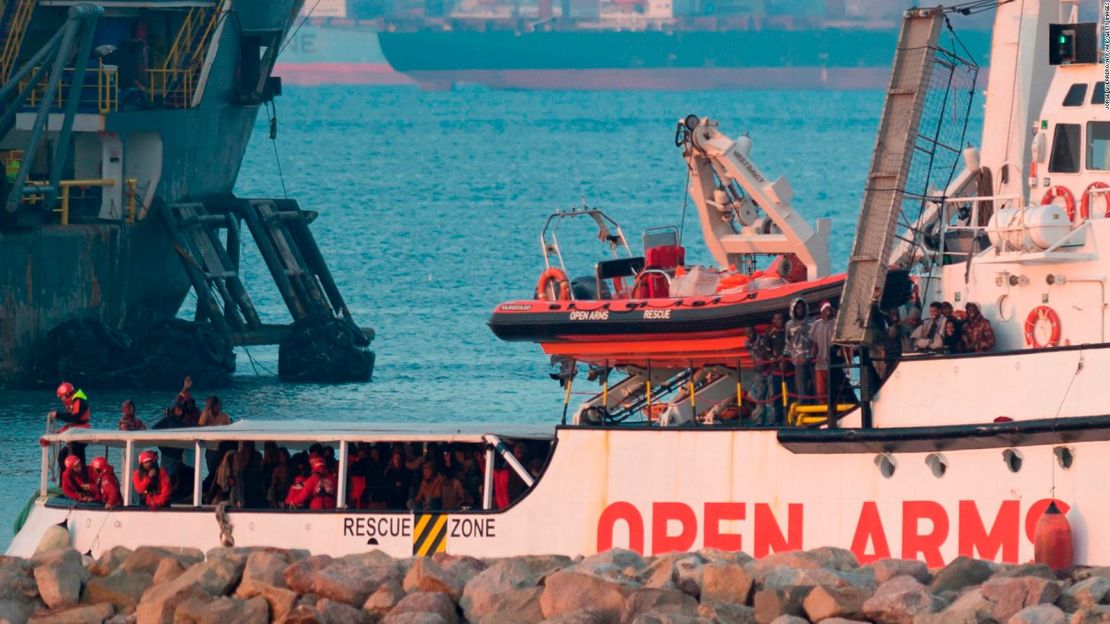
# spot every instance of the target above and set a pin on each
(244, 585)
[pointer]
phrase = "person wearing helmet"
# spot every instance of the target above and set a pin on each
(105, 482)
(75, 414)
(76, 403)
(151, 482)
(77, 482)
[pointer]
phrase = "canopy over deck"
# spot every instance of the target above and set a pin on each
(310, 431)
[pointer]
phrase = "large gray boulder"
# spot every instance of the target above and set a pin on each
(59, 576)
(1039, 614)
(1085, 593)
(413, 606)
(725, 583)
(222, 610)
(147, 558)
(507, 584)
(384, 598)
(773, 602)
(109, 560)
(85, 614)
(826, 602)
(655, 603)
(264, 575)
(899, 601)
(123, 590)
(960, 573)
(1008, 595)
(201, 582)
(426, 575)
(886, 569)
(569, 590)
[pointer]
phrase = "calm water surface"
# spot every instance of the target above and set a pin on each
(430, 207)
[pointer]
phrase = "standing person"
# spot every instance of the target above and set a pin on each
(213, 414)
(977, 334)
(128, 420)
(77, 481)
(780, 379)
(821, 333)
(106, 483)
(759, 389)
(281, 479)
(396, 479)
(151, 482)
(319, 488)
(77, 413)
(799, 349)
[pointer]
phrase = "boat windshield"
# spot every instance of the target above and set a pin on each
(303, 465)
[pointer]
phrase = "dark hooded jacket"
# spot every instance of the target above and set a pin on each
(799, 340)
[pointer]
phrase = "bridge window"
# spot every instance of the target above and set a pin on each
(1065, 149)
(1098, 96)
(1077, 95)
(1098, 145)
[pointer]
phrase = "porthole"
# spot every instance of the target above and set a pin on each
(886, 464)
(1064, 456)
(1013, 459)
(937, 464)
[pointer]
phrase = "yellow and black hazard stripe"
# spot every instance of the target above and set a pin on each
(429, 535)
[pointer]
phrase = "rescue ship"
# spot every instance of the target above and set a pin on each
(957, 454)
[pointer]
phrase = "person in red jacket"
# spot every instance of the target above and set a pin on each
(318, 490)
(151, 482)
(106, 483)
(77, 482)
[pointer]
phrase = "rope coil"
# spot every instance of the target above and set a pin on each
(227, 538)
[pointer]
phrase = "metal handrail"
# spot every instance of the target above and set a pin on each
(107, 89)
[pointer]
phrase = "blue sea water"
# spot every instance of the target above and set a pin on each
(430, 209)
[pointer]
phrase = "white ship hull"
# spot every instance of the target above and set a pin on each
(761, 491)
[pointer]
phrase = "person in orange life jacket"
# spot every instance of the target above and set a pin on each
(151, 482)
(319, 488)
(77, 482)
(501, 498)
(106, 483)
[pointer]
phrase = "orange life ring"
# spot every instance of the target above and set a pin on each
(1038, 315)
(556, 275)
(1085, 203)
(1063, 193)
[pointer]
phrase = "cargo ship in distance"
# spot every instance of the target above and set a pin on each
(609, 45)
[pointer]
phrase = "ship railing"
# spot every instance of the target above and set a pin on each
(171, 88)
(82, 186)
(100, 91)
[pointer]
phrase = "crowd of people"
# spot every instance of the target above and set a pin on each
(796, 354)
(380, 476)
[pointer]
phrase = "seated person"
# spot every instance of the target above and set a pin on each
(318, 490)
(977, 334)
(77, 481)
(151, 482)
(430, 495)
(106, 483)
(929, 335)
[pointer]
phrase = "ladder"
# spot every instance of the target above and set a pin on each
(280, 231)
(16, 16)
(887, 179)
(180, 71)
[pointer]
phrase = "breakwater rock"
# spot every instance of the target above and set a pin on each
(257, 585)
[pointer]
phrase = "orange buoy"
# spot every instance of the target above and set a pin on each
(1052, 539)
